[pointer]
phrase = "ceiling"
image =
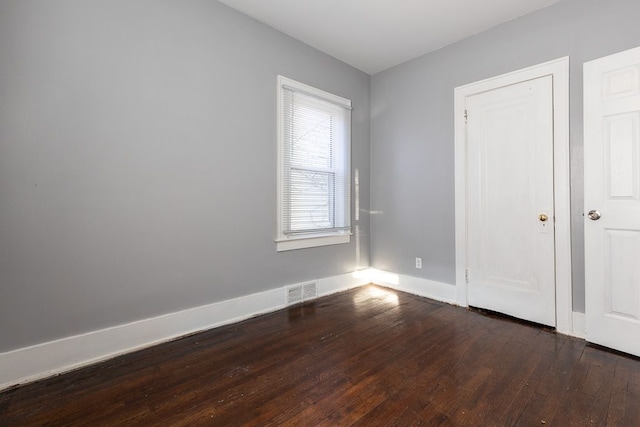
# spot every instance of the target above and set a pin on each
(373, 35)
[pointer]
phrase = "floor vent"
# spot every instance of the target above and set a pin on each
(302, 292)
(309, 291)
(294, 294)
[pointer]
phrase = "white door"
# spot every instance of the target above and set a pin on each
(510, 212)
(612, 200)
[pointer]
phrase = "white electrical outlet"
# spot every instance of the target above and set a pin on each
(418, 262)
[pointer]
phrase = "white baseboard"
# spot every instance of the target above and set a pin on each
(343, 282)
(54, 357)
(413, 285)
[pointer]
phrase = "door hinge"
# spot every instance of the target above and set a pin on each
(466, 276)
(466, 116)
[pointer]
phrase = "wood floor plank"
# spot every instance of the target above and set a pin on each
(366, 357)
(632, 408)
(617, 403)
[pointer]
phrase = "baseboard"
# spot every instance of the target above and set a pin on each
(63, 355)
(413, 285)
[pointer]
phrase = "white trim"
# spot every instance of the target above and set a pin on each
(284, 242)
(559, 69)
(59, 356)
(413, 285)
(310, 90)
(579, 325)
(312, 242)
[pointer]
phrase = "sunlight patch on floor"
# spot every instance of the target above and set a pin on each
(369, 292)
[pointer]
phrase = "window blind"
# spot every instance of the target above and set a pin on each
(316, 164)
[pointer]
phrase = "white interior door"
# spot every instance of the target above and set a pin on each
(510, 212)
(612, 200)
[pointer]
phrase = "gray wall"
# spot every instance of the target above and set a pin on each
(138, 161)
(412, 144)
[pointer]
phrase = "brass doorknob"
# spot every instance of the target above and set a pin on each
(543, 217)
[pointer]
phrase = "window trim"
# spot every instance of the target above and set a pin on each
(290, 242)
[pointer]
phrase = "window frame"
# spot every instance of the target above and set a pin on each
(285, 242)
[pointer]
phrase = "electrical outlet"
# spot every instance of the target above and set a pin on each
(418, 262)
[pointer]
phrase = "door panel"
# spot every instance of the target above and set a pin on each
(511, 259)
(612, 187)
(621, 296)
(621, 148)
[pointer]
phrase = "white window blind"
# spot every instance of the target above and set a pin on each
(315, 162)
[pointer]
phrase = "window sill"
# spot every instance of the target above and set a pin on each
(311, 242)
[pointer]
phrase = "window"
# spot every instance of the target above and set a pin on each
(314, 167)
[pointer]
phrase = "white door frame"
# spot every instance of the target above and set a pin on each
(559, 69)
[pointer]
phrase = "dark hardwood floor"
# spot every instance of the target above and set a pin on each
(368, 357)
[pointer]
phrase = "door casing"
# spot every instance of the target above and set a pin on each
(559, 70)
